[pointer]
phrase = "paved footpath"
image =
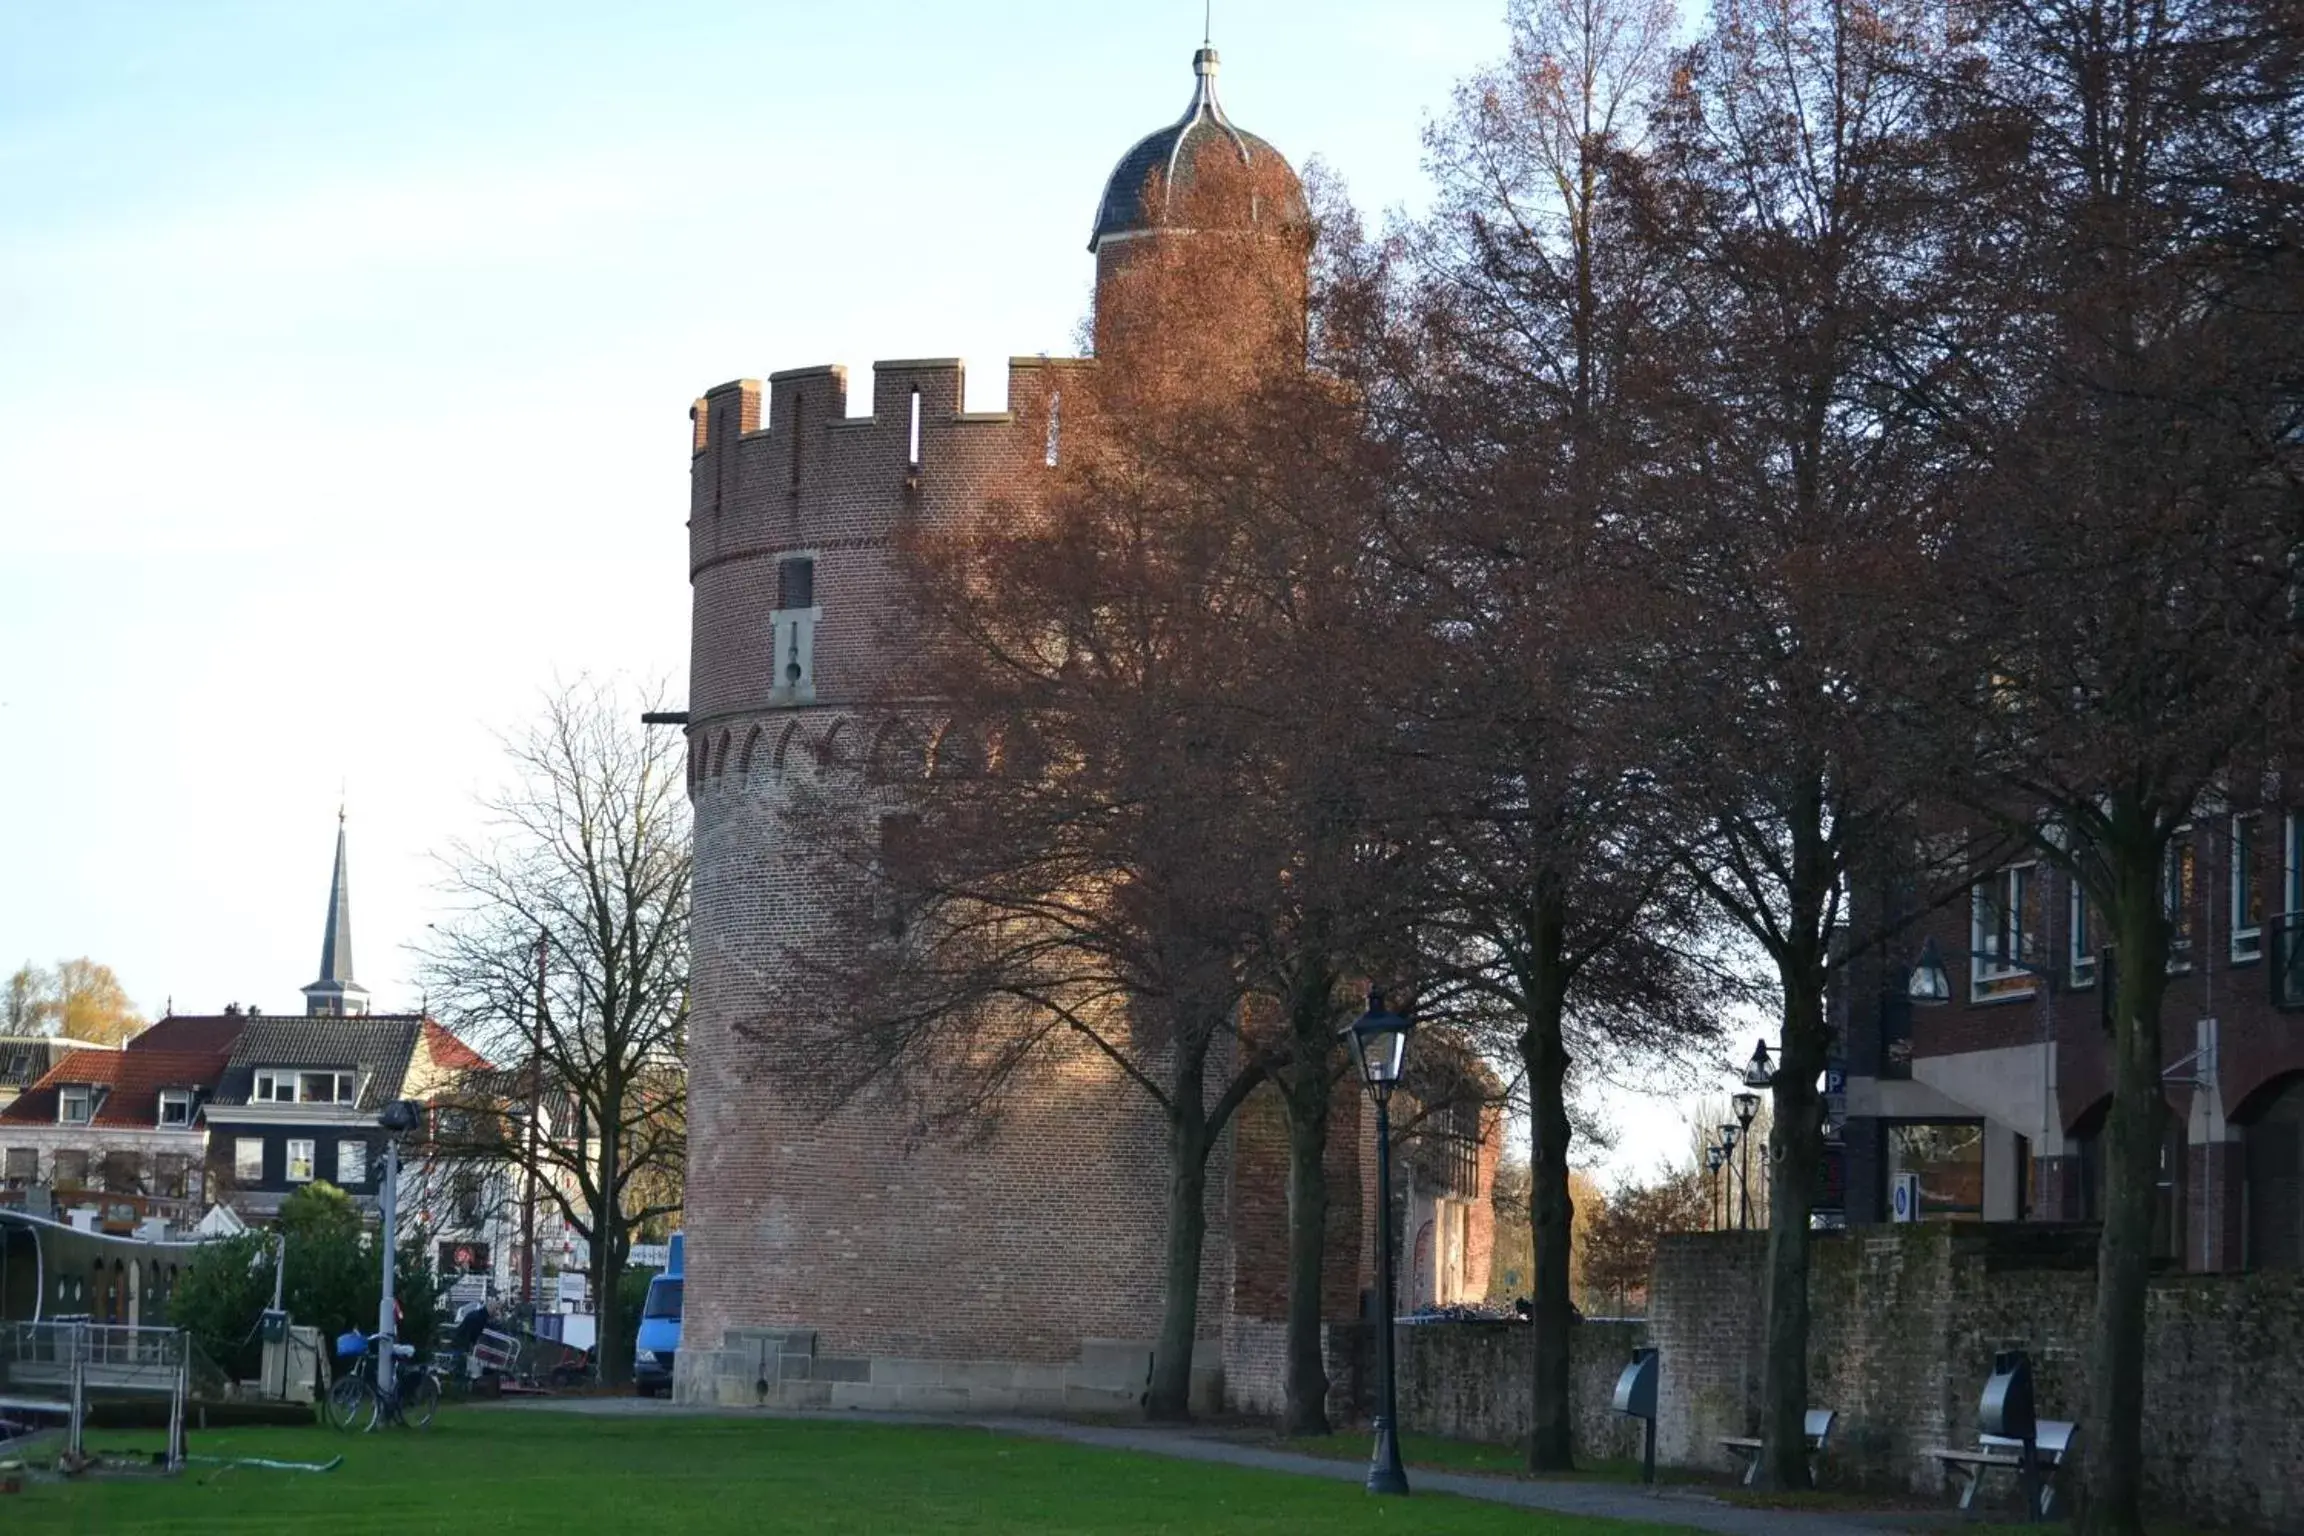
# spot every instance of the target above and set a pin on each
(1615, 1501)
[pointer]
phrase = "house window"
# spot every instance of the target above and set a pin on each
(176, 1106)
(299, 1162)
(75, 1106)
(124, 1173)
(69, 1170)
(2177, 871)
(2080, 946)
(22, 1168)
(280, 1086)
(248, 1159)
(2000, 935)
(464, 1199)
(351, 1163)
(2247, 893)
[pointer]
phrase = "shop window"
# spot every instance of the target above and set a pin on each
(1948, 1158)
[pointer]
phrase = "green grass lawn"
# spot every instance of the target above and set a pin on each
(483, 1470)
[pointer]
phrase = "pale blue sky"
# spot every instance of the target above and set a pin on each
(346, 350)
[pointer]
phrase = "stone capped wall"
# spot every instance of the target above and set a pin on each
(1471, 1381)
(1907, 1319)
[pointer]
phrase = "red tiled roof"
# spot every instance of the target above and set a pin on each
(135, 1079)
(200, 1033)
(450, 1053)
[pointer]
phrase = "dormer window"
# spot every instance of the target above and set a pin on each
(176, 1106)
(75, 1106)
(280, 1085)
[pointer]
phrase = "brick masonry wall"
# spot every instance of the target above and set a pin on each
(1471, 1381)
(1907, 1320)
(1044, 1233)
(1259, 1218)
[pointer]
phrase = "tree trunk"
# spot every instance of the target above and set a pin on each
(1305, 1092)
(1551, 1211)
(1795, 1148)
(1188, 1142)
(2112, 1446)
(611, 1351)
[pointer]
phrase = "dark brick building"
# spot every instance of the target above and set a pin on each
(1990, 1107)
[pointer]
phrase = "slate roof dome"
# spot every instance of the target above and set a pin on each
(1170, 153)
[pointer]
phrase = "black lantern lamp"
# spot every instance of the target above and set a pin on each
(1760, 1071)
(1929, 985)
(1747, 1106)
(1379, 1040)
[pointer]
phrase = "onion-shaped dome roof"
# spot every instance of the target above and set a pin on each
(1169, 156)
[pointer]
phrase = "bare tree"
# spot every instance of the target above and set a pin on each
(1555, 894)
(568, 964)
(2120, 587)
(1793, 195)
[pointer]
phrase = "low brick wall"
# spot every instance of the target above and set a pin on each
(1906, 1320)
(1465, 1380)
(1471, 1381)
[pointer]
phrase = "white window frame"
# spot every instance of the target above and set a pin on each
(285, 1085)
(2079, 952)
(242, 1146)
(2181, 945)
(67, 1097)
(175, 1098)
(2244, 855)
(310, 1158)
(2292, 871)
(1989, 980)
(351, 1164)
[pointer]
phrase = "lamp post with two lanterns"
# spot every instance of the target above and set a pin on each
(1747, 1107)
(1379, 1040)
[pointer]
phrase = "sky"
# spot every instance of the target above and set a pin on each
(345, 360)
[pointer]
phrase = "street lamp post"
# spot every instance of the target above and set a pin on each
(1379, 1038)
(1747, 1106)
(1713, 1157)
(1728, 1135)
(399, 1117)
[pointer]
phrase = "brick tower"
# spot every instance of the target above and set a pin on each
(838, 1261)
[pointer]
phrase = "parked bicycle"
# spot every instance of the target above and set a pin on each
(356, 1401)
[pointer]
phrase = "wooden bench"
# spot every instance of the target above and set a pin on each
(2051, 1445)
(1819, 1430)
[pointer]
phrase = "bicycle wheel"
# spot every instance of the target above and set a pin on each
(351, 1404)
(419, 1400)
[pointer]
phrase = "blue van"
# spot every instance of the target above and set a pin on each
(659, 1338)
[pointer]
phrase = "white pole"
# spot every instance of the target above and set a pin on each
(390, 1200)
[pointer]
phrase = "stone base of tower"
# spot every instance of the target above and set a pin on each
(787, 1368)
